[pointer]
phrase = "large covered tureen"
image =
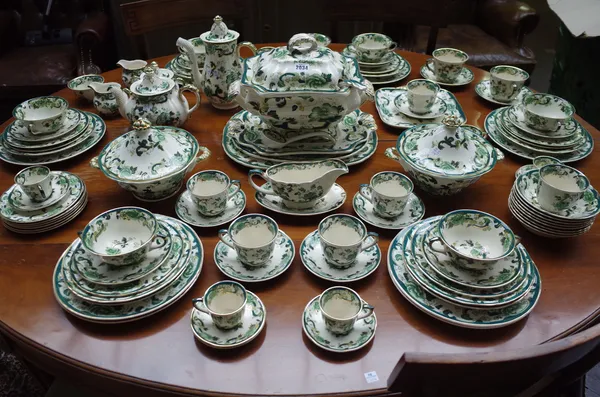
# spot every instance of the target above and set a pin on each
(444, 158)
(150, 161)
(301, 88)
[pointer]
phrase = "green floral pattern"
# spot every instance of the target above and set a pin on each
(187, 211)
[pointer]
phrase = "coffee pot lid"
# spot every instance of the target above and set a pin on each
(219, 32)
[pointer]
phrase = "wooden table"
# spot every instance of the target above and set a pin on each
(160, 353)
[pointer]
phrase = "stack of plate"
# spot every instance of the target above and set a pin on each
(247, 140)
(506, 127)
(21, 215)
(95, 291)
(392, 68)
(180, 65)
(80, 132)
(492, 298)
(573, 221)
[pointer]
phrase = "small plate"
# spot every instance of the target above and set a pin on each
(313, 259)
(253, 321)
(464, 78)
(186, 210)
(515, 115)
(281, 259)
(314, 327)
(20, 201)
(437, 110)
(333, 200)
(483, 90)
(414, 211)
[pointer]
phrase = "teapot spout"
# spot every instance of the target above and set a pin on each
(121, 97)
(188, 48)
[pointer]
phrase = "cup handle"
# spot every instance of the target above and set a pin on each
(429, 63)
(374, 240)
(158, 241)
(42, 193)
(433, 241)
(261, 189)
(368, 308)
(200, 305)
(222, 234)
(237, 185)
(393, 46)
(365, 190)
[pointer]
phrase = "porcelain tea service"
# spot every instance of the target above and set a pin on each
(388, 192)
(225, 302)
(372, 47)
(447, 67)
(35, 182)
(42, 115)
(252, 237)
(132, 71)
(341, 307)
(506, 82)
(546, 112)
(421, 95)
(81, 85)
(210, 190)
(343, 238)
(104, 100)
(537, 163)
(560, 187)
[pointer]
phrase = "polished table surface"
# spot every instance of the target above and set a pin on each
(160, 352)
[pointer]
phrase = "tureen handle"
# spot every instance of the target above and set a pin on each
(260, 173)
(246, 44)
(191, 88)
(205, 154)
(392, 153)
(499, 154)
(302, 43)
(94, 162)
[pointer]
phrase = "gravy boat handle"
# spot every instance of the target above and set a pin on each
(260, 189)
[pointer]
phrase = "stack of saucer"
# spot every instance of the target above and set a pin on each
(65, 198)
(541, 124)
(569, 220)
(180, 65)
(127, 265)
(472, 277)
(47, 131)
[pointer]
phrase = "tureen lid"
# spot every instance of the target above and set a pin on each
(446, 149)
(219, 32)
(152, 82)
(302, 65)
(147, 153)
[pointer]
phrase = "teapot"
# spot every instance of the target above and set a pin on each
(156, 98)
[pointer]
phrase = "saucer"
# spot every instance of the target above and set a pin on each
(414, 211)
(350, 52)
(281, 259)
(20, 201)
(515, 115)
(524, 169)
(186, 210)
(19, 131)
(314, 327)
(253, 321)
(465, 77)
(483, 90)
(313, 259)
(438, 109)
(333, 200)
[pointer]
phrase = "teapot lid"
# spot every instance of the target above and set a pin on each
(302, 65)
(219, 32)
(152, 82)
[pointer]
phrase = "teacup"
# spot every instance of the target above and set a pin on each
(372, 47)
(342, 238)
(389, 192)
(224, 302)
(35, 182)
(81, 85)
(210, 191)
(506, 82)
(474, 239)
(341, 307)
(541, 161)
(546, 112)
(447, 63)
(421, 95)
(42, 115)
(560, 187)
(122, 236)
(252, 237)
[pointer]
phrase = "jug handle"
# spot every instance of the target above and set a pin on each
(246, 44)
(191, 88)
(260, 189)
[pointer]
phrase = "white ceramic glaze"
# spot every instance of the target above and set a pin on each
(447, 63)
(210, 190)
(341, 307)
(421, 95)
(546, 112)
(506, 82)
(225, 302)
(560, 187)
(80, 85)
(388, 192)
(35, 182)
(253, 237)
(343, 237)
(42, 115)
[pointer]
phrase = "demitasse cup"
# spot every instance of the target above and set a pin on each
(421, 95)
(81, 85)
(210, 191)
(341, 307)
(372, 47)
(447, 63)
(224, 302)
(506, 82)
(389, 192)
(35, 182)
(560, 187)
(546, 112)
(252, 236)
(342, 238)
(42, 115)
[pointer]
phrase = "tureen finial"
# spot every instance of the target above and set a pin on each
(141, 124)
(452, 121)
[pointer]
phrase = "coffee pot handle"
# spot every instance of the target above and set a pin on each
(261, 189)
(225, 233)
(200, 305)
(365, 307)
(436, 240)
(374, 240)
(366, 191)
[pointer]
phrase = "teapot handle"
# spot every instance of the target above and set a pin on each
(191, 88)
(246, 44)
(261, 189)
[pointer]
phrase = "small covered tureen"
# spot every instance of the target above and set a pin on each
(151, 162)
(301, 88)
(444, 158)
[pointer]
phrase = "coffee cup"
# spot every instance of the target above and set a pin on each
(224, 302)
(560, 187)
(372, 47)
(341, 307)
(389, 192)
(252, 237)
(447, 63)
(545, 112)
(210, 191)
(35, 182)
(342, 238)
(506, 82)
(421, 95)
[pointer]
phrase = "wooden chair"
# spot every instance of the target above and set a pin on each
(522, 373)
(144, 16)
